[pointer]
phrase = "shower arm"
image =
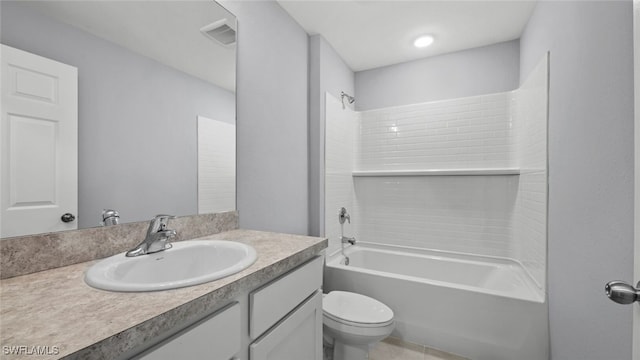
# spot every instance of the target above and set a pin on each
(350, 98)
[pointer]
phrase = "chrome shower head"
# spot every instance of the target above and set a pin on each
(350, 98)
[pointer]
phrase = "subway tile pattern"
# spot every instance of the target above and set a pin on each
(464, 214)
(216, 166)
(340, 127)
(488, 215)
(530, 229)
(471, 214)
(472, 132)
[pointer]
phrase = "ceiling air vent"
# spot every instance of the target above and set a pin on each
(221, 32)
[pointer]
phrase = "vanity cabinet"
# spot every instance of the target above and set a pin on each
(278, 320)
(274, 300)
(217, 336)
(298, 336)
(286, 316)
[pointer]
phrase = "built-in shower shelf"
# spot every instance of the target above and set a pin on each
(438, 172)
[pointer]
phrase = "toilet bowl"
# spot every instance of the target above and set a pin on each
(353, 322)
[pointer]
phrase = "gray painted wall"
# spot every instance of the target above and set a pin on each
(136, 120)
(483, 70)
(327, 73)
(590, 171)
(271, 88)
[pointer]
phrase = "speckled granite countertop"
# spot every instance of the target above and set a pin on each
(58, 312)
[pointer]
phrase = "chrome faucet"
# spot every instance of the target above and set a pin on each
(349, 240)
(342, 216)
(157, 237)
(110, 217)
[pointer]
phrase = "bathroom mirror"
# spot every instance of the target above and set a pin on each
(155, 109)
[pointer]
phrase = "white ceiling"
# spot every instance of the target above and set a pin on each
(167, 31)
(371, 34)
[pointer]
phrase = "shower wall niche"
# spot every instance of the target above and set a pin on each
(465, 175)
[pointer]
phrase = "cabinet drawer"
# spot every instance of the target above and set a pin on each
(297, 337)
(273, 301)
(216, 337)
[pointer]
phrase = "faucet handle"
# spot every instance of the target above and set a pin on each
(343, 215)
(160, 222)
(110, 217)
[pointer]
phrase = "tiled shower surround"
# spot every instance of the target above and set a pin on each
(495, 215)
(473, 132)
(530, 223)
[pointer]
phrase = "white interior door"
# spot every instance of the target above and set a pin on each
(39, 143)
(617, 290)
(636, 258)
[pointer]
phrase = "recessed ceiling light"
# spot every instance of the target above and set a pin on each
(423, 41)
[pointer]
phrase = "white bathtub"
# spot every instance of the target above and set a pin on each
(482, 308)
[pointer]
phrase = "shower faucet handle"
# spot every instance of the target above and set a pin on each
(343, 215)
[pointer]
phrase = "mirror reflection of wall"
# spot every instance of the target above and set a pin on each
(216, 166)
(144, 76)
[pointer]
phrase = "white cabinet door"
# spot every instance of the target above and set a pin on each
(297, 337)
(273, 301)
(39, 144)
(217, 337)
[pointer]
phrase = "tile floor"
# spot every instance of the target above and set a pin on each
(396, 349)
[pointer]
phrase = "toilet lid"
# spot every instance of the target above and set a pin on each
(355, 308)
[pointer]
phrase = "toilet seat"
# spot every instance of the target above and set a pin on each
(356, 310)
(336, 319)
(364, 333)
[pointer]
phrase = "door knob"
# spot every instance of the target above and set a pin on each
(621, 292)
(68, 217)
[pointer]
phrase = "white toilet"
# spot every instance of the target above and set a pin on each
(353, 322)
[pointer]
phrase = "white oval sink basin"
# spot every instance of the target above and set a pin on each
(187, 263)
